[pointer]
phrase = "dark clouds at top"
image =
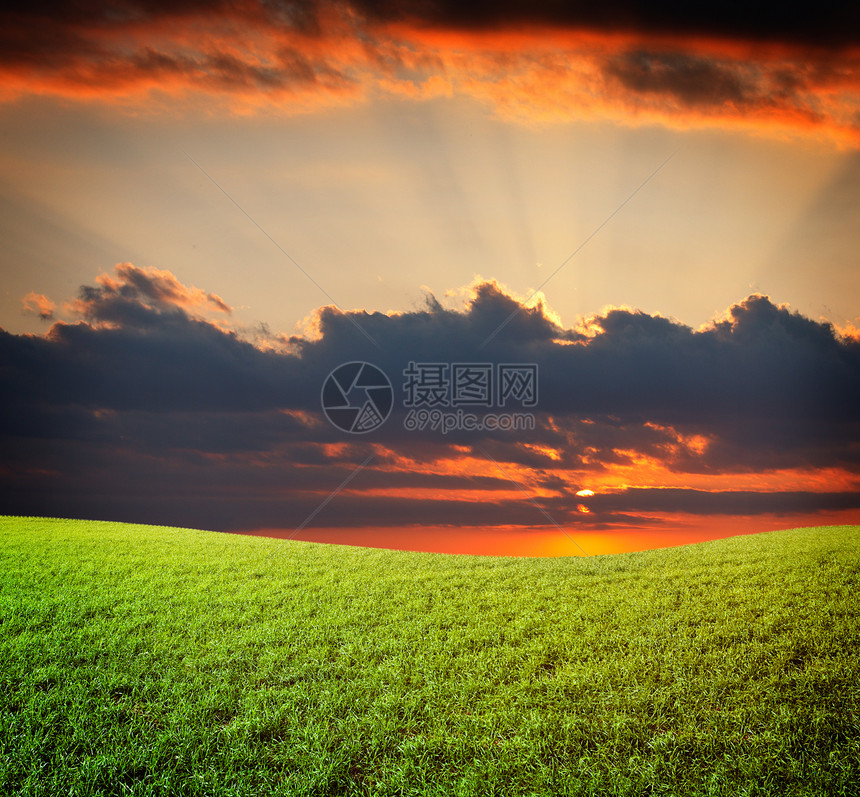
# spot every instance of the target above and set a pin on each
(148, 410)
(830, 23)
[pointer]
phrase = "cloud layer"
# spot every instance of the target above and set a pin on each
(145, 409)
(760, 67)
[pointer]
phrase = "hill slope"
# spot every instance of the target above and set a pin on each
(143, 660)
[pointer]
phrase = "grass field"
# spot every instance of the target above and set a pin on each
(144, 660)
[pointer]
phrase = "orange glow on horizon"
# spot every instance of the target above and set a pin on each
(551, 542)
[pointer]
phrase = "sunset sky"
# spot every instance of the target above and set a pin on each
(206, 208)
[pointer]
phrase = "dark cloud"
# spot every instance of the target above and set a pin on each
(146, 287)
(146, 410)
(692, 80)
(833, 22)
(737, 502)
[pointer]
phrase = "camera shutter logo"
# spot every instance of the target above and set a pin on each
(357, 397)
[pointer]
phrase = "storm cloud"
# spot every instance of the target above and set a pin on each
(150, 407)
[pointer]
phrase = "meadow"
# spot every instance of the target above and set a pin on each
(160, 661)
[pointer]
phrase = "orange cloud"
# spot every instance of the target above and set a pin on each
(163, 287)
(544, 76)
(249, 59)
(152, 287)
(229, 58)
(40, 305)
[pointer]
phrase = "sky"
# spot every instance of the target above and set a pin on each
(651, 211)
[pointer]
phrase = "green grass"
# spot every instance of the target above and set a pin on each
(143, 660)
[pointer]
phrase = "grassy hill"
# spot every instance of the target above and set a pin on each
(144, 660)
